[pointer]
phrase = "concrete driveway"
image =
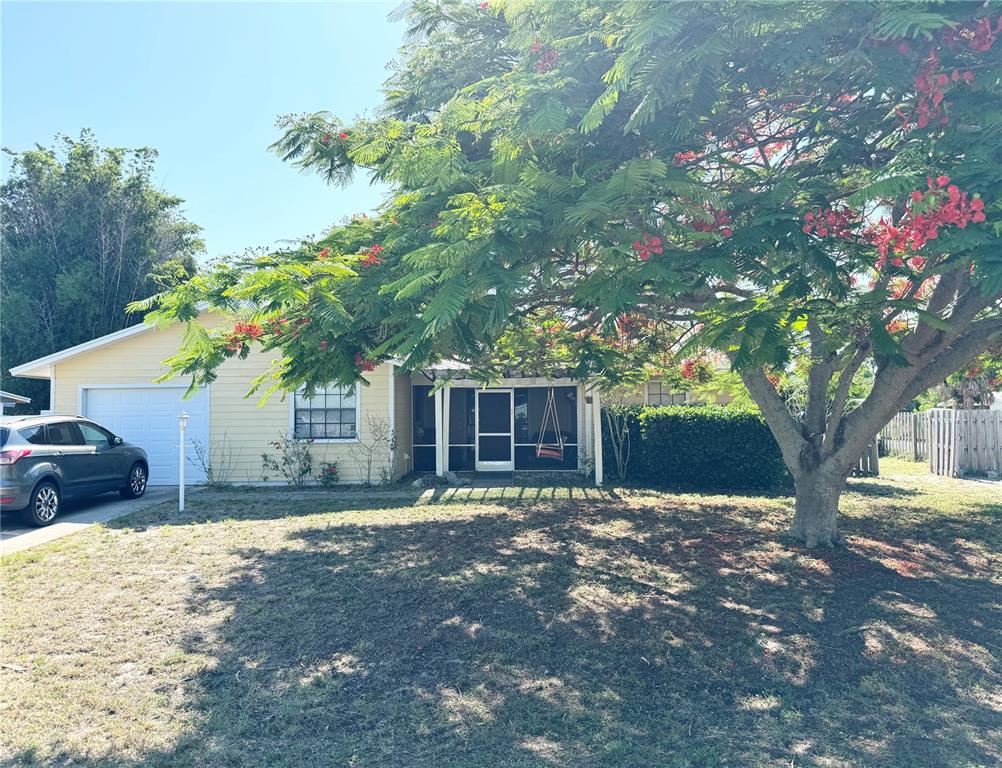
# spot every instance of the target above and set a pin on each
(76, 516)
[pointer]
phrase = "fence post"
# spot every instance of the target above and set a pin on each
(915, 451)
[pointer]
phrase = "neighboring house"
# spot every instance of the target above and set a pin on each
(9, 399)
(514, 426)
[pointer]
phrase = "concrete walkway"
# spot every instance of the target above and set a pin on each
(15, 536)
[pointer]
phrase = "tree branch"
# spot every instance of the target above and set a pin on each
(842, 390)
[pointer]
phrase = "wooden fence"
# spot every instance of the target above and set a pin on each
(907, 435)
(956, 442)
(869, 463)
(970, 442)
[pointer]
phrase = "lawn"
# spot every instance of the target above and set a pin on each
(523, 627)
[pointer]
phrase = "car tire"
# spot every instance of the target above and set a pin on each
(44, 504)
(135, 482)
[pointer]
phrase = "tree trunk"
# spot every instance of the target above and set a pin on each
(815, 522)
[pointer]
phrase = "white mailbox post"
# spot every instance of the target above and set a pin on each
(182, 422)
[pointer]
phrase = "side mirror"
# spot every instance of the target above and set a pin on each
(116, 440)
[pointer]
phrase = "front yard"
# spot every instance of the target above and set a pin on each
(528, 627)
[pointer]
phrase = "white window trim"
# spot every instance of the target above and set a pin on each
(339, 440)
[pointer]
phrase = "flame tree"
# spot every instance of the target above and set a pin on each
(801, 185)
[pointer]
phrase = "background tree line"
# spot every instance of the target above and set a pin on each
(84, 232)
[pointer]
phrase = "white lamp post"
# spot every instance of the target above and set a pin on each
(182, 422)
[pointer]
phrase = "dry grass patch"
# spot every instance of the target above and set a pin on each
(517, 627)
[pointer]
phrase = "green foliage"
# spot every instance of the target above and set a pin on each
(529, 145)
(703, 447)
(656, 163)
(85, 231)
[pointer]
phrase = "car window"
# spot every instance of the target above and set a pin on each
(4, 433)
(95, 435)
(63, 433)
(33, 434)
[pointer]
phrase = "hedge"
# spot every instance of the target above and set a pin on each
(708, 447)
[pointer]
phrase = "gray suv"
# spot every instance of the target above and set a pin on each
(45, 459)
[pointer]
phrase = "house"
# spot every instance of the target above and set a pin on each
(521, 424)
(9, 400)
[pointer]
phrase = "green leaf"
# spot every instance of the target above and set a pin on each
(600, 110)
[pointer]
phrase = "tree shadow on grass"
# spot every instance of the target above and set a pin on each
(273, 504)
(879, 489)
(580, 635)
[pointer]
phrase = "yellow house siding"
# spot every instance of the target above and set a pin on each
(133, 360)
(403, 421)
(246, 428)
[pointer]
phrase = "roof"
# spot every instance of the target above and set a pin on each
(40, 368)
(10, 397)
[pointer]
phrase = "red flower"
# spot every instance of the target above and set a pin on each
(648, 245)
(343, 135)
(984, 37)
(484, 6)
(365, 365)
(324, 252)
(249, 330)
(940, 207)
(547, 60)
(685, 157)
(325, 139)
(719, 224)
(370, 256)
(323, 345)
(837, 222)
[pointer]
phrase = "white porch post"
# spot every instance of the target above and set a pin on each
(596, 429)
(391, 418)
(439, 433)
(445, 428)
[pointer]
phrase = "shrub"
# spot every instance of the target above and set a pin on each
(328, 473)
(704, 447)
(293, 461)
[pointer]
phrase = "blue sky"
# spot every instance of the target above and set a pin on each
(203, 83)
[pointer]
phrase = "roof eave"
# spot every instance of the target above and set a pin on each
(42, 367)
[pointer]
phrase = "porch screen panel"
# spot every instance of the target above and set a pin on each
(424, 428)
(462, 429)
(530, 404)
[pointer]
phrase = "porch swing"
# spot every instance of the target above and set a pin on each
(546, 450)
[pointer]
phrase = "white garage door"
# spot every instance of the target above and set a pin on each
(147, 417)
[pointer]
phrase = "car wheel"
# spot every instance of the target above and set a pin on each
(44, 504)
(135, 483)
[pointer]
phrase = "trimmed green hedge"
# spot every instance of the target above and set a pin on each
(703, 447)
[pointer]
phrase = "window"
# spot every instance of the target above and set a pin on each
(657, 394)
(63, 433)
(95, 435)
(331, 414)
(35, 434)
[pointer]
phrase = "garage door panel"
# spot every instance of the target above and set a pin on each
(147, 417)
